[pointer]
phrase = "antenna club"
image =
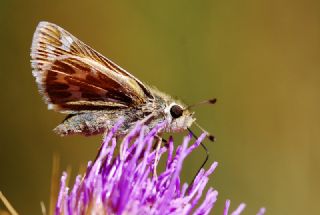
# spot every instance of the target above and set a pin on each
(212, 101)
(212, 138)
(209, 101)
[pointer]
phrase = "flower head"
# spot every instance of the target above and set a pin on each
(128, 183)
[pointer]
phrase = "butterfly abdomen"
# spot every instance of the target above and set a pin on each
(96, 122)
(87, 123)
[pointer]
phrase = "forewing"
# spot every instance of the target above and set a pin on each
(73, 77)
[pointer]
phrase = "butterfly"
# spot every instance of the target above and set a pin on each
(75, 79)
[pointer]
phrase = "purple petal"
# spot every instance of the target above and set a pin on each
(130, 182)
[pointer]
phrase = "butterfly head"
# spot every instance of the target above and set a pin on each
(178, 116)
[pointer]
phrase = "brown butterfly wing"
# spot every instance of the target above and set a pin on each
(73, 77)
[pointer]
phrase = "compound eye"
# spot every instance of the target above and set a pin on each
(176, 111)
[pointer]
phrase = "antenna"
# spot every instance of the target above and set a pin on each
(210, 136)
(209, 101)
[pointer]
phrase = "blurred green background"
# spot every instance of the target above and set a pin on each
(260, 58)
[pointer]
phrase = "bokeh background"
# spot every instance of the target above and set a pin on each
(260, 58)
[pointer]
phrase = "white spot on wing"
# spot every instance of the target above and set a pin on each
(50, 52)
(51, 106)
(66, 42)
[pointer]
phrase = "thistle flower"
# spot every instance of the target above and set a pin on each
(128, 182)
